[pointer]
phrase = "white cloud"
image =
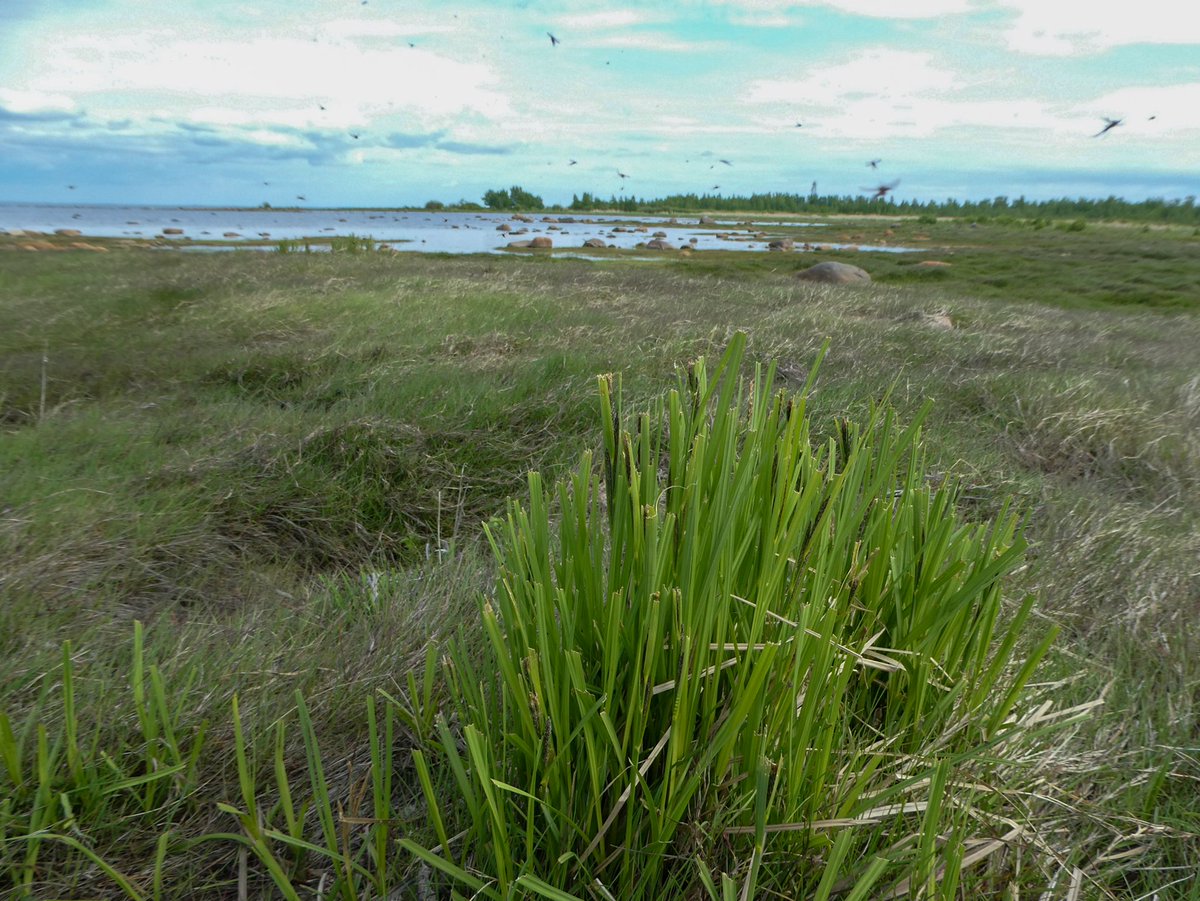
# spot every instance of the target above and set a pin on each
(1174, 107)
(613, 18)
(880, 9)
(276, 80)
(1060, 29)
(883, 93)
(766, 19)
(890, 9)
(349, 29)
(872, 119)
(880, 73)
(272, 138)
(34, 102)
(642, 40)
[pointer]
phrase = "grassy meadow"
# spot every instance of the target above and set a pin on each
(255, 642)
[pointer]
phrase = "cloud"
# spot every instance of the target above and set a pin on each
(1062, 29)
(404, 140)
(37, 104)
(274, 80)
(1175, 108)
(209, 139)
(658, 41)
(883, 74)
(883, 93)
(353, 29)
(612, 18)
(176, 143)
(471, 149)
(765, 19)
(880, 9)
(874, 120)
(9, 115)
(889, 9)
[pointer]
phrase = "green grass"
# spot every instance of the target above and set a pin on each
(734, 655)
(280, 463)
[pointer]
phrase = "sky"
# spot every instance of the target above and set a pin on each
(397, 102)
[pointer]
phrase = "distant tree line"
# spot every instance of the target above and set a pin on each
(1155, 209)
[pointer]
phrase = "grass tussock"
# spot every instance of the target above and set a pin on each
(760, 662)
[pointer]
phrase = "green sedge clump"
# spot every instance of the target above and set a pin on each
(734, 659)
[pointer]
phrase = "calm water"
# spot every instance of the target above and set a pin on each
(420, 231)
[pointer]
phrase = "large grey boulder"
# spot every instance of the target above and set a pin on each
(835, 274)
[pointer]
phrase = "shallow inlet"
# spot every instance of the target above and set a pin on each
(428, 232)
